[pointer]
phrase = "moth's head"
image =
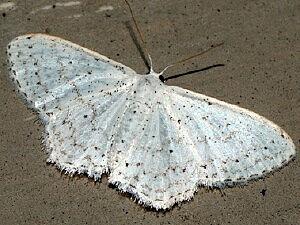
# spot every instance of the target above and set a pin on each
(157, 75)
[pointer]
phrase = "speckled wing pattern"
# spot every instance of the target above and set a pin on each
(157, 142)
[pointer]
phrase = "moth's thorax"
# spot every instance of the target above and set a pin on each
(153, 74)
(149, 83)
(151, 79)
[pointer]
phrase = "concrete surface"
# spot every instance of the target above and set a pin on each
(261, 74)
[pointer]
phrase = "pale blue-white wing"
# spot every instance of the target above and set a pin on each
(231, 144)
(77, 93)
(174, 140)
(80, 138)
(50, 71)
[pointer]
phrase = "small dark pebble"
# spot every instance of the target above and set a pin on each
(47, 30)
(263, 192)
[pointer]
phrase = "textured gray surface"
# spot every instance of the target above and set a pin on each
(261, 74)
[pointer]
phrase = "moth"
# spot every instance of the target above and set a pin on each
(155, 141)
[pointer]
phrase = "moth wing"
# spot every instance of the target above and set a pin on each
(178, 140)
(79, 138)
(50, 71)
(231, 144)
(146, 163)
(77, 92)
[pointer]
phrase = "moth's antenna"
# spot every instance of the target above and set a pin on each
(191, 57)
(140, 33)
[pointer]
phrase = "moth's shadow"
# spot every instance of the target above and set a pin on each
(191, 72)
(137, 44)
(144, 58)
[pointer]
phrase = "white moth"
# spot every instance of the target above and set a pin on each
(157, 142)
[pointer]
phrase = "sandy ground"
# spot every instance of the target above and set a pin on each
(261, 74)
